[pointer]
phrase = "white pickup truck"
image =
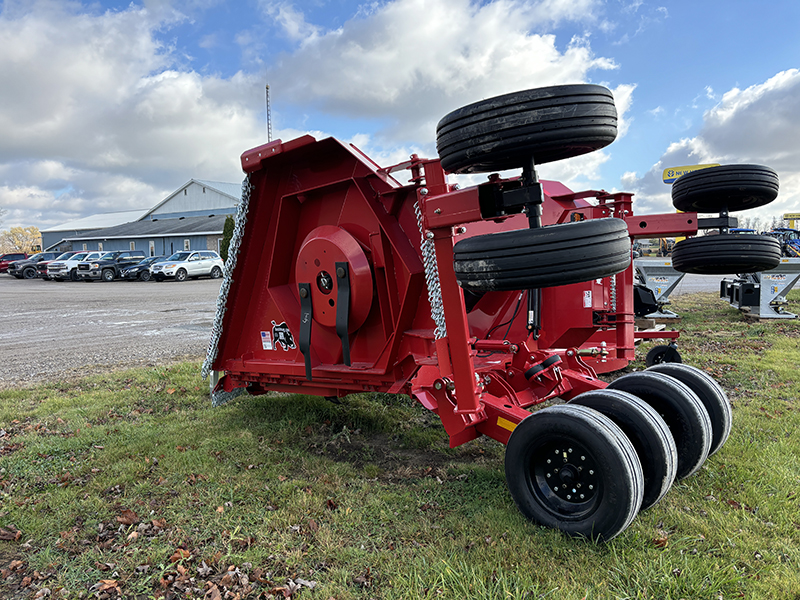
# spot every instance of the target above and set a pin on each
(68, 269)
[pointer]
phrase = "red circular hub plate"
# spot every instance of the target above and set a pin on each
(316, 265)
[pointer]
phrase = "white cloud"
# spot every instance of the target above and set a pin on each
(409, 62)
(95, 115)
(291, 21)
(759, 124)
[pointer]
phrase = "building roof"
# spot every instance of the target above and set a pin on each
(232, 190)
(210, 225)
(99, 221)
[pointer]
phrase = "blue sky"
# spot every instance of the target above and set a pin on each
(112, 105)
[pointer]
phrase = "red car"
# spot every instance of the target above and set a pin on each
(6, 259)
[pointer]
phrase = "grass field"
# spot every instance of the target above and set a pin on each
(130, 485)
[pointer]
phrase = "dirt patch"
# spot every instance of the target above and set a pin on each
(394, 461)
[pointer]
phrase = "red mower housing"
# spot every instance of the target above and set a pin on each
(349, 277)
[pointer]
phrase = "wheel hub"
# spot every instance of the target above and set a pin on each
(568, 472)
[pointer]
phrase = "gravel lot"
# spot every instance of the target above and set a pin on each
(55, 330)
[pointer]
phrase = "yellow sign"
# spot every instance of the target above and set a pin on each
(674, 173)
(791, 216)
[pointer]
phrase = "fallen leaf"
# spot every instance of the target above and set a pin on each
(213, 593)
(312, 526)
(204, 570)
(179, 554)
(10, 534)
(107, 584)
(128, 517)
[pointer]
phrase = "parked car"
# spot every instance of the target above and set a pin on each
(109, 266)
(140, 271)
(27, 268)
(7, 259)
(41, 267)
(189, 263)
(61, 270)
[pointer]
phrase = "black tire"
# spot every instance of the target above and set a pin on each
(29, 273)
(216, 273)
(662, 354)
(546, 124)
(73, 275)
(712, 396)
(726, 254)
(596, 460)
(180, 275)
(648, 433)
(107, 275)
(144, 275)
(731, 187)
(542, 257)
(681, 410)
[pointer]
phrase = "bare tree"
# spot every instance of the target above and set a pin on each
(20, 239)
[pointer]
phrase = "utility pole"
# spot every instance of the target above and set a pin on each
(269, 118)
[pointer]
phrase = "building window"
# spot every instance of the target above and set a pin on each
(99, 246)
(184, 191)
(219, 245)
(152, 248)
(133, 245)
(86, 246)
(187, 245)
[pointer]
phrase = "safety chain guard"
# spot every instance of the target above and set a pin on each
(219, 398)
(431, 277)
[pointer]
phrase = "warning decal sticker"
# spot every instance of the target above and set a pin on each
(266, 340)
(282, 336)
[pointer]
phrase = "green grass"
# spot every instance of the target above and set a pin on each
(367, 500)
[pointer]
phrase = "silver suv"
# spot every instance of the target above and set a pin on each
(189, 263)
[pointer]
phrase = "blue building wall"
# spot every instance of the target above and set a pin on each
(162, 246)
